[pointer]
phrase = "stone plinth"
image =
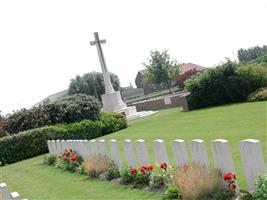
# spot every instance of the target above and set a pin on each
(112, 102)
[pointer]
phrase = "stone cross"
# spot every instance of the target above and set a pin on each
(106, 76)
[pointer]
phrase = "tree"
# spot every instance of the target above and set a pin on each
(161, 69)
(2, 130)
(183, 77)
(246, 55)
(92, 84)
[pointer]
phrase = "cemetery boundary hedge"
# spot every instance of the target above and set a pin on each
(32, 143)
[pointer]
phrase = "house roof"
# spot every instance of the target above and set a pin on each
(54, 97)
(189, 66)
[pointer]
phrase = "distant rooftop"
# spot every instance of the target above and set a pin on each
(53, 97)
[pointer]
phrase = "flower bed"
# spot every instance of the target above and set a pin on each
(188, 182)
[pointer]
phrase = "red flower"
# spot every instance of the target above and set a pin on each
(74, 158)
(229, 177)
(143, 169)
(69, 150)
(133, 171)
(66, 153)
(149, 167)
(233, 186)
(163, 166)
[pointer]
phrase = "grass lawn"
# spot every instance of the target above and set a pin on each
(232, 122)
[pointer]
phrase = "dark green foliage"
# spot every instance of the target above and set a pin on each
(34, 142)
(260, 193)
(66, 110)
(2, 130)
(226, 83)
(258, 95)
(126, 176)
(161, 69)
(50, 159)
(92, 84)
(171, 193)
(247, 55)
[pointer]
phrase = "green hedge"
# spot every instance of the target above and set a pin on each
(227, 83)
(67, 110)
(32, 143)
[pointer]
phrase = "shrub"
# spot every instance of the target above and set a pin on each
(96, 165)
(226, 83)
(34, 142)
(193, 181)
(68, 160)
(183, 77)
(143, 176)
(171, 193)
(128, 175)
(258, 95)
(66, 110)
(50, 159)
(112, 171)
(260, 193)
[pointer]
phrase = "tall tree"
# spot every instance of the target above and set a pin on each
(2, 130)
(246, 55)
(92, 84)
(161, 69)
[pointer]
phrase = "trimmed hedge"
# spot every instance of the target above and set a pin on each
(69, 109)
(32, 143)
(227, 83)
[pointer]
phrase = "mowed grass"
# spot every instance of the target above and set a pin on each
(232, 122)
(34, 180)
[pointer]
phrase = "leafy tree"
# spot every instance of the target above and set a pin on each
(2, 130)
(161, 69)
(246, 55)
(183, 77)
(92, 84)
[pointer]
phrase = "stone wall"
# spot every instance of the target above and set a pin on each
(127, 94)
(159, 103)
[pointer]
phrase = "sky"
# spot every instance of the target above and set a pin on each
(44, 44)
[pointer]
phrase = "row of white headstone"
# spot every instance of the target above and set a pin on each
(250, 150)
(6, 195)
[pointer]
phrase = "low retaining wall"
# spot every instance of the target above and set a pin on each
(159, 103)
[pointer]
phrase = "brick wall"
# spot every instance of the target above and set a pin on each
(163, 103)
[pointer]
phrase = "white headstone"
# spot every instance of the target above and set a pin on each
(102, 147)
(79, 147)
(114, 151)
(253, 160)
(54, 146)
(59, 148)
(4, 190)
(50, 149)
(93, 147)
(180, 152)
(85, 149)
(129, 153)
(160, 151)
(69, 144)
(15, 196)
(64, 145)
(199, 152)
(142, 152)
(74, 145)
(223, 158)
